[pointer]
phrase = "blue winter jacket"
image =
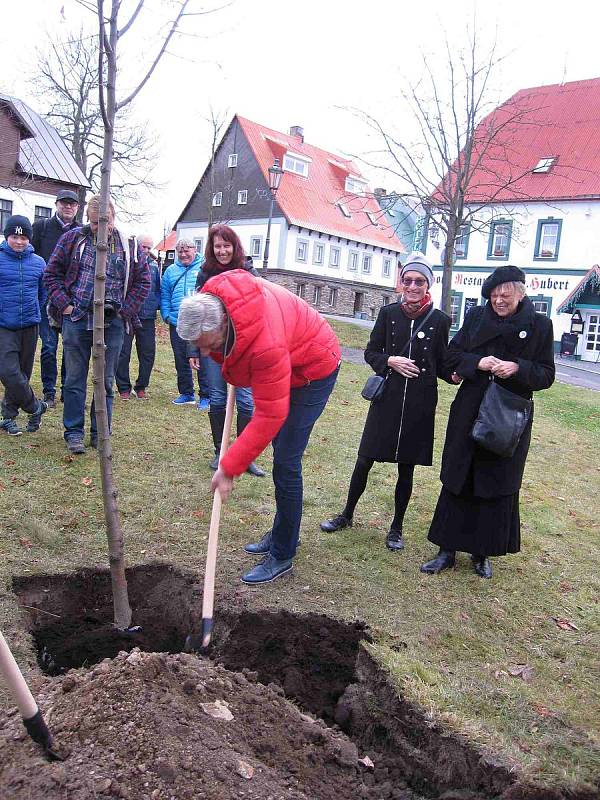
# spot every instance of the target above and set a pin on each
(178, 282)
(152, 303)
(20, 287)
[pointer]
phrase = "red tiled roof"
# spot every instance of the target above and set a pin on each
(312, 202)
(561, 121)
(168, 243)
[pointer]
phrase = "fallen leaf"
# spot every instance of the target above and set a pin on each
(366, 762)
(2, 487)
(245, 770)
(565, 587)
(25, 542)
(572, 513)
(200, 514)
(524, 747)
(565, 624)
(217, 710)
(87, 481)
(10, 463)
(500, 673)
(542, 710)
(523, 671)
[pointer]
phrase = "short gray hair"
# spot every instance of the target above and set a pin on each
(520, 287)
(200, 313)
(185, 242)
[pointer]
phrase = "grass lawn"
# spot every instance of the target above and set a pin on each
(512, 663)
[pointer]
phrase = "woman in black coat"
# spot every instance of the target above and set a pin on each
(478, 508)
(399, 427)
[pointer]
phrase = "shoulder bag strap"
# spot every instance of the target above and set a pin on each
(417, 329)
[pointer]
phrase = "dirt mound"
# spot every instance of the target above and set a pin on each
(171, 727)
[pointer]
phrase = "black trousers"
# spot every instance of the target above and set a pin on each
(17, 351)
(402, 494)
(145, 345)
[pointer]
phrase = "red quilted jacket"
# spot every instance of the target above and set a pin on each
(280, 343)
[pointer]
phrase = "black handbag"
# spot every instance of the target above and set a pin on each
(503, 416)
(373, 388)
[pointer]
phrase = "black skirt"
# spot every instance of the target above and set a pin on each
(479, 525)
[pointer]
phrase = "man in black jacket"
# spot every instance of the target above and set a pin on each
(46, 233)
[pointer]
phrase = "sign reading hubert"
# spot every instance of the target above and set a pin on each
(577, 322)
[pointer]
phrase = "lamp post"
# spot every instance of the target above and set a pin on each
(275, 174)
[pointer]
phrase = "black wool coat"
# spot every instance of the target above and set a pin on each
(400, 426)
(525, 338)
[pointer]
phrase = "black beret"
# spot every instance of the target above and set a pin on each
(500, 275)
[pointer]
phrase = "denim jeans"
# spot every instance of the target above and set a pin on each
(48, 359)
(17, 351)
(145, 345)
(306, 405)
(77, 346)
(217, 389)
(185, 379)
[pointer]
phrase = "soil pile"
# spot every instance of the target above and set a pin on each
(152, 726)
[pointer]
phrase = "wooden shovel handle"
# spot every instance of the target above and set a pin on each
(16, 682)
(208, 598)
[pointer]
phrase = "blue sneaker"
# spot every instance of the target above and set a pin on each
(268, 570)
(184, 400)
(10, 426)
(203, 404)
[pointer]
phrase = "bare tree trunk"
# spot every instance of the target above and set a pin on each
(448, 264)
(114, 531)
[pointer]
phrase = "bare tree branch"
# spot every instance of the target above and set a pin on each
(132, 19)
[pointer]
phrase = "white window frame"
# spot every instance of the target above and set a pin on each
(242, 197)
(334, 257)
(367, 263)
(344, 209)
(372, 218)
(304, 244)
(545, 164)
(295, 164)
(353, 260)
(301, 290)
(321, 261)
(217, 199)
(386, 269)
(317, 294)
(355, 185)
(332, 299)
(232, 161)
(199, 242)
(254, 251)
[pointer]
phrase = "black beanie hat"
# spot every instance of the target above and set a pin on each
(19, 226)
(500, 275)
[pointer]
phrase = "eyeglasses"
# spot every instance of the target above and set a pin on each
(417, 281)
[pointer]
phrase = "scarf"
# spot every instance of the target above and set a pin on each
(416, 310)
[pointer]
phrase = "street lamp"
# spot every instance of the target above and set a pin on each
(275, 174)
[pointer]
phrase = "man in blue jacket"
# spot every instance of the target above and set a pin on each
(178, 282)
(145, 335)
(20, 293)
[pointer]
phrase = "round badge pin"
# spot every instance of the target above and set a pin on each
(420, 335)
(522, 334)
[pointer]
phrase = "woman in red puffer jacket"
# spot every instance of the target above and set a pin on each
(272, 341)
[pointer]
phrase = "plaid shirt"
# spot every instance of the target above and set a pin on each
(69, 275)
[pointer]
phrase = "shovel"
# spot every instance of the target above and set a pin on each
(195, 642)
(32, 717)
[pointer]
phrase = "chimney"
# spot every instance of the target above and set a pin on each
(297, 131)
(379, 192)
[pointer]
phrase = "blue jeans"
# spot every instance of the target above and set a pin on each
(77, 346)
(48, 360)
(217, 389)
(145, 345)
(185, 379)
(306, 405)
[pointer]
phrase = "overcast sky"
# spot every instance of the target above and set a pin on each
(283, 63)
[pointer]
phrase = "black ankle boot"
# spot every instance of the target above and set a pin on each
(217, 423)
(253, 468)
(336, 523)
(482, 566)
(394, 540)
(444, 560)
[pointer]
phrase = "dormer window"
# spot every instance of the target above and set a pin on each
(355, 185)
(372, 217)
(296, 164)
(344, 209)
(545, 164)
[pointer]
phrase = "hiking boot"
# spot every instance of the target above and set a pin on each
(75, 445)
(10, 427)
(444, 560)
(482, 566)
(184, 400)
(394, 540)
(336, 524)
(141, 394)
(268, 570)
(35, 420)
(50, 400)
